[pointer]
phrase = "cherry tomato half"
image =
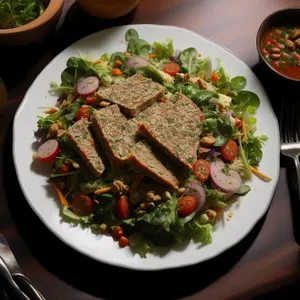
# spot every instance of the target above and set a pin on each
(82, 205)
(201, 169)
(171, 69)
(122, 209)
(83, 112)
(90, 101)
(230, 150)
(186, 205)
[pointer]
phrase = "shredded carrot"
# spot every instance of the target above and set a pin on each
(102, 191)
(137, 180)
(116, 72)
(214, 77)
(96, 201)
(62, 198)
(152, 55)
(256, 172)
(118, 63)
(74, 97)
(244, 130)
(98, 61)
(164, 100)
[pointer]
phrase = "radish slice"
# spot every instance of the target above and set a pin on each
(88, 86)
(197, 191)
(136, 62)
(48, 151)
(229, 182)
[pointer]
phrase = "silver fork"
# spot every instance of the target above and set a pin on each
(290, 132)
(16, 272)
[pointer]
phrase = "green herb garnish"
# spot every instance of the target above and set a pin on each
(16, 13)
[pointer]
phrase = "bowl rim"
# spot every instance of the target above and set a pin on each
(52, 9)
(258, 40)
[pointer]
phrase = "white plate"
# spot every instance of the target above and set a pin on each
(102, 248)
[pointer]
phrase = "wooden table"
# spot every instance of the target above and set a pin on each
(264, 264)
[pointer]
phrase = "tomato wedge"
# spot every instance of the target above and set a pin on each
(230, 150)
(171, 69)
(122, 209)
(82, 205)
(201, 169)
(186, 205)
(48, 151)
(83, 112)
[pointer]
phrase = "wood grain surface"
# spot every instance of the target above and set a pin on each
(263, 265)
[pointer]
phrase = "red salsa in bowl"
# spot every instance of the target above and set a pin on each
(280, 47)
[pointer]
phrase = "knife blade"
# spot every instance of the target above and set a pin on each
(15, 270)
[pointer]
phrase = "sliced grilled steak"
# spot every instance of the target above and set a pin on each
(154, 164)
(82, 141)
(116, 134)
(134, 95)
(174, 127)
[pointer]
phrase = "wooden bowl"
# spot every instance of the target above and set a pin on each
(108, 9)
(283, 17)
(35, 31)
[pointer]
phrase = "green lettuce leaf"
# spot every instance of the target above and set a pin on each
(204, 67)
(93, 185)
(188, 60)
(200, 97)
(244, 158)
(119, 56)
(142, 248)
(135, 44)
(69, 215)
(215, 199)
(164, 215)
(164, 50)
(223, 83)
(238, 83)
(199, 230)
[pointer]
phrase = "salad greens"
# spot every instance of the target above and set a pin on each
(135, 44)
(164, 50)
(16, 13)
(188, 59)
(227, 120)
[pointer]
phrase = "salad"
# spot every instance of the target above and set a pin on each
(150, 145)
(17, 13)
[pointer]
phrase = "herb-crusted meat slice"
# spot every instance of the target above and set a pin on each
(116, 134)
(134, 94)
(175, 128)
(80, 138)
(153, 164)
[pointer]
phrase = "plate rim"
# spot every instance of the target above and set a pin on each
(275, 179)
